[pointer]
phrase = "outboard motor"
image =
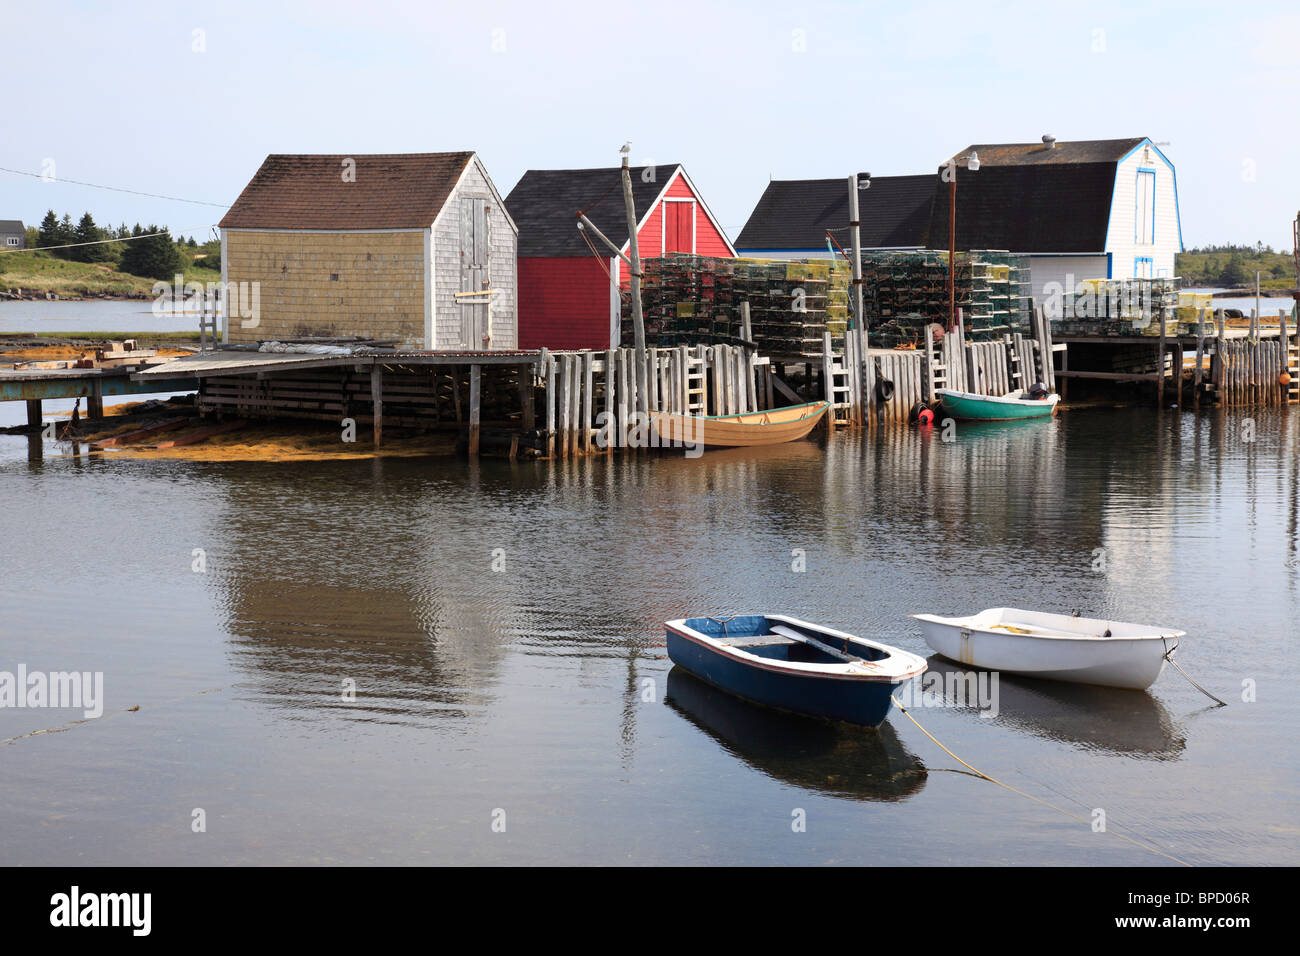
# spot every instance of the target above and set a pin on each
(1038, 391)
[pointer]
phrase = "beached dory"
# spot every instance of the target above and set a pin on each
(792, 665)
(1082, 650)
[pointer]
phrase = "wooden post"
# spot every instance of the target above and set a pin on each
(611, 399)
(588, 381)
(475, 408)
(638, 323)
(566, 405)
(1160, 362)
(527, 405)
(34, 413)
(1200, 358)
(550, 406)
(377, 401)
(859, 332)
(95, 403)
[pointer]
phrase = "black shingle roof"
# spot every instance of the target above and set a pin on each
(11, 226)
(1028, 208)
(545, 203)
(795, 213)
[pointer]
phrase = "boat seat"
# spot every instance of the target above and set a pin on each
(755, 640)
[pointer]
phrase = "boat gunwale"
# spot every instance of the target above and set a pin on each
(1050, 401)
(963, 623)
(735, 415)
(738, 654)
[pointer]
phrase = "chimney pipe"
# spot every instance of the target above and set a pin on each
(1049, 141)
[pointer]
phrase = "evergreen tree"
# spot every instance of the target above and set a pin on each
(49, 233)
(87, 231)
(154, 257)
(1233, 274)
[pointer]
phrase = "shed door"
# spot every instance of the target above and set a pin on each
(475, 273)
(679, 227)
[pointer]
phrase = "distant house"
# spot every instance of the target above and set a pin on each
(1091, 209)
(569, 297)
(411, 247)
(793, 216)
(12, 234)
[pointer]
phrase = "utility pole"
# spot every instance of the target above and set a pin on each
(856, 182)
(638, 323)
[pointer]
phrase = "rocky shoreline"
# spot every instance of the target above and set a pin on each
(32, 295)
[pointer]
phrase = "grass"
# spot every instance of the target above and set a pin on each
(42, 272)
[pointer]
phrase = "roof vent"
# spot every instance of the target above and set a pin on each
(1049, 141)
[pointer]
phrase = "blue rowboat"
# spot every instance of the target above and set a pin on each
(967, 406)
(792, 665)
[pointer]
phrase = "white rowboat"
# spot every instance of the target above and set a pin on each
(1081, 650)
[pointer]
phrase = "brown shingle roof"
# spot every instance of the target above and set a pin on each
(1038, 154)
(391, 191)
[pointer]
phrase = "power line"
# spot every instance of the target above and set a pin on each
(100, 242)
(116, 189)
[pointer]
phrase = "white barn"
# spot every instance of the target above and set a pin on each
(1092, 209)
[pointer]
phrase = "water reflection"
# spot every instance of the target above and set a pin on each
(1129, 723)
(857, 764)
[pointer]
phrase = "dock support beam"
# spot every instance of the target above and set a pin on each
(95, 403)
(34, 414)
(377, 398)
(475, 408)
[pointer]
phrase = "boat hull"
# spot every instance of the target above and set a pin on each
(966, 406)
(772, 427)
(852, 700)
(1130, 661)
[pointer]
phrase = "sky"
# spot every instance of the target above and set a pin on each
(186, 100)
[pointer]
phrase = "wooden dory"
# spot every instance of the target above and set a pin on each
(967, 406)
(792, 665)
(1081, 650)
(771, 427)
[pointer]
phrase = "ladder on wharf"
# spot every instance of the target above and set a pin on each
(839, 386)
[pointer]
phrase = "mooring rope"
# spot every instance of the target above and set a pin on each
(1169, 656)
(1007, 786)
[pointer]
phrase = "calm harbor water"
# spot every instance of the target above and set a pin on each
(539, 694)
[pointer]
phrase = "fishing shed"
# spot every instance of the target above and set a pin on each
(569, 281)
(416, 249)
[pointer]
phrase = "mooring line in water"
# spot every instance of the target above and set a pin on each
(1169, 656)
(90, 720)
(1007, 786)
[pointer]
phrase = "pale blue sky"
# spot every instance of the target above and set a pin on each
(117, 95)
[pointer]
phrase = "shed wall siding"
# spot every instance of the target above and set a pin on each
(379, 292)
(564, 303)
(1066, 270)
(447, 321)
(1120, 235)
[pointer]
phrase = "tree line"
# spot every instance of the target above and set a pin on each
(148, 251)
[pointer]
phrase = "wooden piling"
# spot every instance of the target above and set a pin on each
(475, 408)
(377, 401)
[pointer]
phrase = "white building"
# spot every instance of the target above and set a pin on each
(1092, 209)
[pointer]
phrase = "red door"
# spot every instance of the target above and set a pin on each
(679, 226)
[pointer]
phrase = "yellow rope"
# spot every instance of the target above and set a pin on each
(1006, 786)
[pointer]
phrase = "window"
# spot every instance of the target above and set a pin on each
(1144, 212)
(11, 240)
(1142, 266)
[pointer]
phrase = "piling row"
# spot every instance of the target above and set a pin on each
(592, 398)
